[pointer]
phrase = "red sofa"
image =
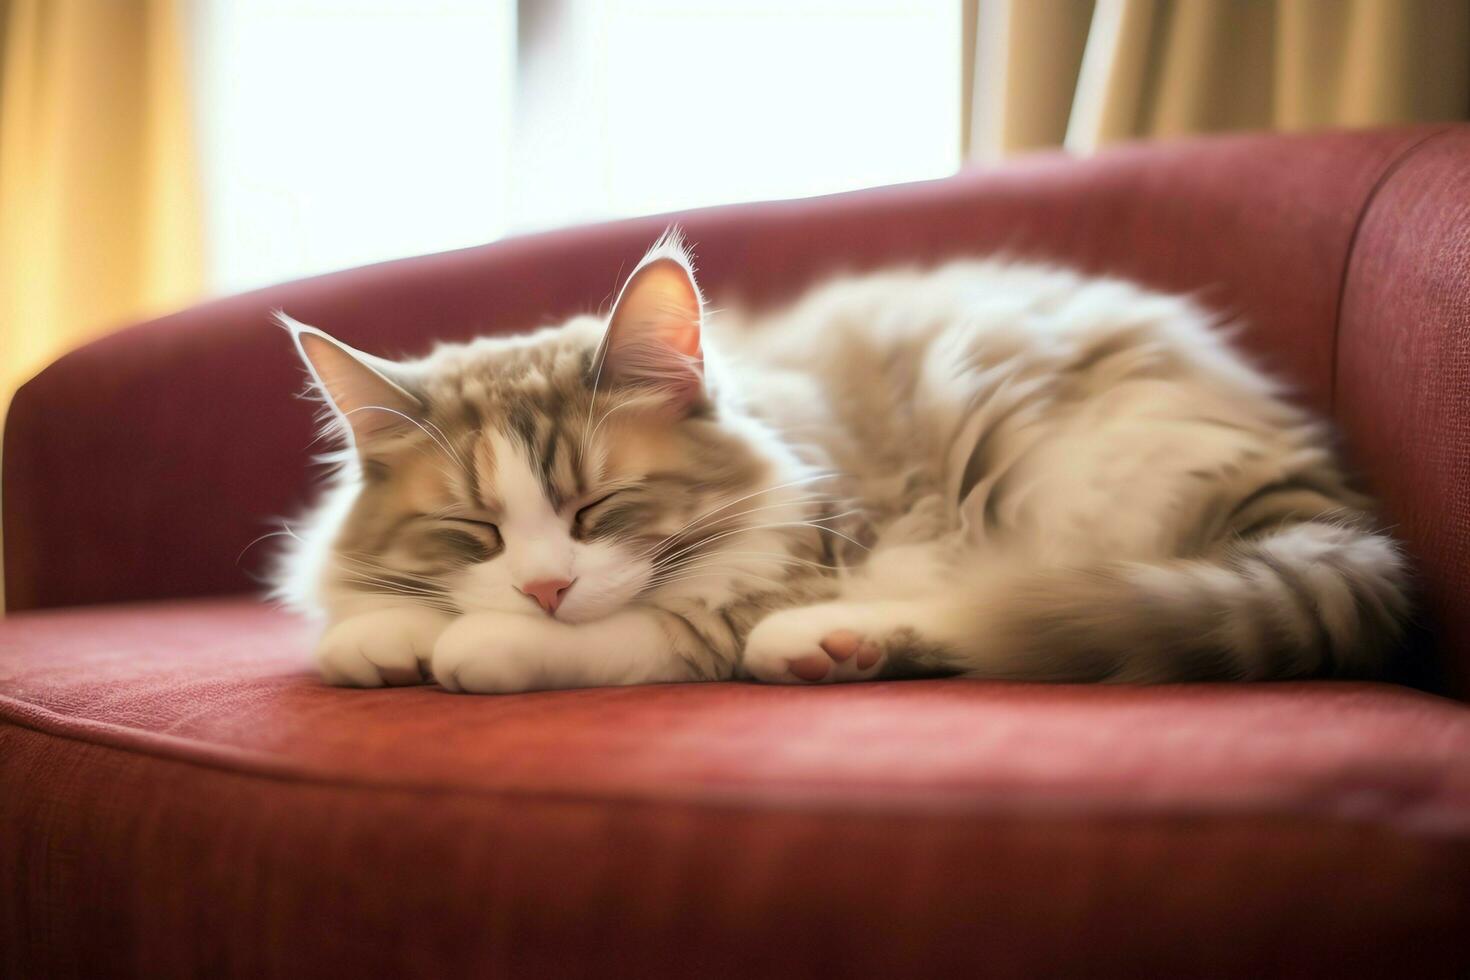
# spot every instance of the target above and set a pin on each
(180, 797)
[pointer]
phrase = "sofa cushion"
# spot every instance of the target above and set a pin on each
(1260, 226)
(179, 795)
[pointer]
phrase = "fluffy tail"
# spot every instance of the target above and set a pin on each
(1305, 600)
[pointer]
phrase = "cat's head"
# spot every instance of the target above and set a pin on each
(567, 472)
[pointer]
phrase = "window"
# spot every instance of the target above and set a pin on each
(339, 132)
(642, 106)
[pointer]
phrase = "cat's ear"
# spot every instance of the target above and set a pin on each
(653, 336)
(356, 385)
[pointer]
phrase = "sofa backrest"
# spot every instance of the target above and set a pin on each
(144, 464)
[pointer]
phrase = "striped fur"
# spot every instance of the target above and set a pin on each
(993, 469)
(1304, 599)
(1066, 479)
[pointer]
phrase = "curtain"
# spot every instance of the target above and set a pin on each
(99, 210)
(1084, 73)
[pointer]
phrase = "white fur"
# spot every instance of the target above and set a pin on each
(385, 646)
(890, 381)
(539, 545)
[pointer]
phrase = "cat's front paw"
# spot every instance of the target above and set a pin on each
(494, 653)
(387, 647)
(814, 645)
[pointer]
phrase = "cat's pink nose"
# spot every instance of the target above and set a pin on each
(547, 592)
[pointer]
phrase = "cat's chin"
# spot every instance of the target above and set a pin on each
(579, 613)
(570, 614)
(602, 595)
(575, 617)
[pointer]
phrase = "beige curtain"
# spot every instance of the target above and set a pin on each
(1083, 73)
(99, 211)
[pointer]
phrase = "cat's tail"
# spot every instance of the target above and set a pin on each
(1310, 599)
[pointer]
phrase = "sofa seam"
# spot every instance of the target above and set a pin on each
(756, 800)
(285, 774)
(1389, 171)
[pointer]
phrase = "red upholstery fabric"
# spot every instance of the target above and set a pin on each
(1403, 372)
(181, 797)
(178, 796)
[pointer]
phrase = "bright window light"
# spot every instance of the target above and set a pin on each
(339, 132)
(639, 106)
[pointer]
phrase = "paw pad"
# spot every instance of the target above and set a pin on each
(814, 645)
(842, 645)
(813, 667)
(838, 648)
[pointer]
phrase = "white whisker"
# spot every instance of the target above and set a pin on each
(706, 525)
(284, 532)
(676, 579)
(772, 526)
(605, 415)
(725, 506)
(404, 415)
(719, 562)
(601, 355)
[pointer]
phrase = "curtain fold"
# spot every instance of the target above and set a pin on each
(1027, 54)
(1084, 73)
(99, 208)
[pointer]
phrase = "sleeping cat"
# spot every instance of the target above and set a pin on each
(988, 469)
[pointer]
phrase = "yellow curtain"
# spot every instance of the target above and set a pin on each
(1024, 72)
(1083, 73)
(99, 209)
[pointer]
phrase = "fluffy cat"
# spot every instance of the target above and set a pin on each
(989, 469)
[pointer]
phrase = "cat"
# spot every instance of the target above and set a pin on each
(991, 469)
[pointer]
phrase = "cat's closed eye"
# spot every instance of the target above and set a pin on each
(585, 512)
(477, 523)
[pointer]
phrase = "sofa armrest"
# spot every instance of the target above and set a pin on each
(1403, 359)
(144, 464)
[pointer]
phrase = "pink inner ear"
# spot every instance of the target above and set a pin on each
(654, 333)
(369, 402)
(684, 338)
